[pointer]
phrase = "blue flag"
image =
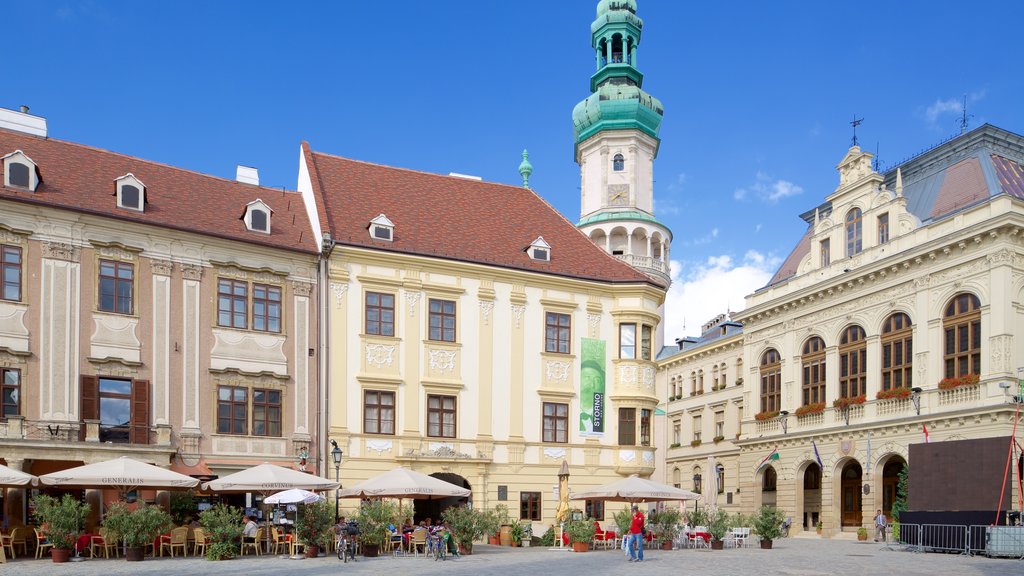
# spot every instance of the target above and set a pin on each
(818, 456)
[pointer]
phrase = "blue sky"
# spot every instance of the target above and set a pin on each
(758, 97)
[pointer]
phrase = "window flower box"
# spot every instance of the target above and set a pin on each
(674, 445)
(695, 443)
(893, 393)
(958, 381)
(718, 439)
(812, 408)
(844, 403)
(766, 415)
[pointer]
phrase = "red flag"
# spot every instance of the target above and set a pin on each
(925, 428)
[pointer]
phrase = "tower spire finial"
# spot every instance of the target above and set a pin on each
(856, 122)
(525, 169)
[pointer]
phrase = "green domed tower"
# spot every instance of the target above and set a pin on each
(616, 130)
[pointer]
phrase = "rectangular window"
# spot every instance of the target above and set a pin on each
(378, 412)
(232, 410)
(594, 509)
(266, 308)
(696, 428)
(627, 426)
(645, 427)
(826, 253)
(627, 341)
(677, 432)
(10, 392)
(883, 228)
(441, 416)
(557, 333)
(719, 424)
(645, 342)
(115, 410)
(117, 281)
(232, 300)
(266, 412)
(529, 506)
(10, 268)
(442, 320)
(380, 314)
(556, 422)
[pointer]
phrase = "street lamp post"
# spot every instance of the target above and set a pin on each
(336, 455)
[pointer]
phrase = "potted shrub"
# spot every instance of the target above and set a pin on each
(63, 519)
(817, 527)
(466, 524)
(768, 524)
(223, 526)
(581, 534)
(313, 527)
(665, 525)
(373, 518)
(623, 520)
(719, 525)
(862, 533)
(516, 532)
(136, 528)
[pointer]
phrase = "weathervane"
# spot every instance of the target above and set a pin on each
(856, 122)
(964, 116)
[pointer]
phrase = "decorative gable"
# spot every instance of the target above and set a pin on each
(381, 228)
(539, 250)
(257, 216)
(130, 192)
(20, 171)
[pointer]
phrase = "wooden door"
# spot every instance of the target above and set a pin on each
(852, 513)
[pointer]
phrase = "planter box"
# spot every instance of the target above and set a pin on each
(134, 554)
(580, 547)
(766, 544)
(60, 555)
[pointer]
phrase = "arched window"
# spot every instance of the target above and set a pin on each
(771, 385)
(700, 381)
(693, 383)
(677, 477)
(897, 352)
(812, 478)
(813, 363)
(19, 175)
(618, 163)
(853, 232)
(962, 327)
(714, 377)
(853, 351)
(697, 479)
(770, 480)
(720, 479)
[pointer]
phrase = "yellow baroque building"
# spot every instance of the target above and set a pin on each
(475, 334)
(897, 312)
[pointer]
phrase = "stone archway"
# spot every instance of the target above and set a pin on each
(433, 509)
(890, 479)
(769, 487)
(850, 495)
(811, 496)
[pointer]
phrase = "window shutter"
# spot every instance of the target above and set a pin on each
(140, 413)
(89, 404)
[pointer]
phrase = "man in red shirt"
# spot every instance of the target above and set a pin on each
(636, 536)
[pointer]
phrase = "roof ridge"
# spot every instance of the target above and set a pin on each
(414, 171)
(151, 162)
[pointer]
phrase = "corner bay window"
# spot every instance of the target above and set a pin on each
(556, 422)
(627, 341)
(441, 416)
(645, 427)
(557, 332)
(117, 281)
(627, 426)
(378, 412)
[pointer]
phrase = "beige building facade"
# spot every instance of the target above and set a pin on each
(897, 312)
(149, 312)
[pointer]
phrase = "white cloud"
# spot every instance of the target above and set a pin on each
(768, 189)
(951, 106)
(701, 291)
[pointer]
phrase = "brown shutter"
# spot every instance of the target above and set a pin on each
(89, 403)
(140, 413)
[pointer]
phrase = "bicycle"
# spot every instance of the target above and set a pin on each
(346, 543)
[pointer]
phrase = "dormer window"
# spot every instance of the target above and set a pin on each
(20, 171)
(381, 228)
(257, 216)
(539, 250)
(618, 163)
(131, 192)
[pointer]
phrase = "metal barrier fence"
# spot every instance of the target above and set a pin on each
(1006, 541)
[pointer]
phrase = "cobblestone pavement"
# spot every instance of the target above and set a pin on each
(795, 557)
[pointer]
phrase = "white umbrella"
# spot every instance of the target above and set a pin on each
(293, 496)
(122, 473)
(635, 489)
(404, 483)
(267, 478)
(12, 477)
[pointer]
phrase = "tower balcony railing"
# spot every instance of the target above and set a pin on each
(647, 264)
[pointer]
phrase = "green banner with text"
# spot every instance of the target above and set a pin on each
(592, 387)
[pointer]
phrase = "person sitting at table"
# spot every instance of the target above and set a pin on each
(249, 533)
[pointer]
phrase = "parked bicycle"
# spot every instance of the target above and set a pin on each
(346, 541)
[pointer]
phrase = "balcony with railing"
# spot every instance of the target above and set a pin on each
(650, 265)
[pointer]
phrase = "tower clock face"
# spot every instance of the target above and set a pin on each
(618, 194)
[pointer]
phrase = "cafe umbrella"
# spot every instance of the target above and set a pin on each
(122, 474)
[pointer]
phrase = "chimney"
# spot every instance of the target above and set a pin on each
(23, 122)
(247, 175)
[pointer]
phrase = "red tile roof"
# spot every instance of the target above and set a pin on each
(80, 178)
(455, 218)
(964, 184)
(792, 262)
